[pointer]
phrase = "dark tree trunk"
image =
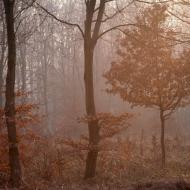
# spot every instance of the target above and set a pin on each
(15, 168)
(1, 84)
(23, 67)
(141, 143)
(45, 90)
(90, 41)
(93, 127)
(162, 138)
(31, 80)
(2, 60)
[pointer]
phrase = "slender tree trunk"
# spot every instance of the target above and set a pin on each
(15, 168)
(162, 138)
(31, 80)
(93, 127)
(45, 85)
(23, 67)
(1, 84)
(141, 143)
(2, 60)
(90, 41)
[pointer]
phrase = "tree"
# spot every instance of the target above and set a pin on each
(90, 41)
(149, 73)
(3, 47)
(15, 167)
(94, 17)
(11, 15)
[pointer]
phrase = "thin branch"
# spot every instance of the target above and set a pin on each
(24, 8)
(115, 28)
(62, 21)
(115, 14)
(152, 2)
(179, 18)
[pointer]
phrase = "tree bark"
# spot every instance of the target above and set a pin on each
(2, 60)
(48, 130)
(1, 83)
(23, 68)
(93, 127)
(14, 161)
(90, 41)
(162, 138)
(141, 143)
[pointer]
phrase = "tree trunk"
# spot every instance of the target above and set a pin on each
(93, 127)
(141, 143)
(15, 168)
(48, 130)
(23, 67)
(162, 138)
(90, 41)
(1, 84)
(2, 60)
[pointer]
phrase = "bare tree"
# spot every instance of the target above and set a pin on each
(15, 174)
(94, 17)
(3, 46)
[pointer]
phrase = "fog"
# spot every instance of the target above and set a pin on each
(86, 84)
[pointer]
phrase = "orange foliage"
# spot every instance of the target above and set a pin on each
(148, 72)
(110, 125)
(25, 117)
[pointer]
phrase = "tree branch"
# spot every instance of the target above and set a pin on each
(114, 28)
(179, 18)
(60, 20)
(24, 8)
(152, 2)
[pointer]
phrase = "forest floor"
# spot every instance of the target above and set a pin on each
(156, 185)
(98, 184)
(118, 169)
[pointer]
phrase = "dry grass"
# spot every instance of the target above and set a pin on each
(56, 166)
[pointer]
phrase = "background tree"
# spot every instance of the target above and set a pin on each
(12, 11)
(3, 47)
(15, 174)
(149, 73)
